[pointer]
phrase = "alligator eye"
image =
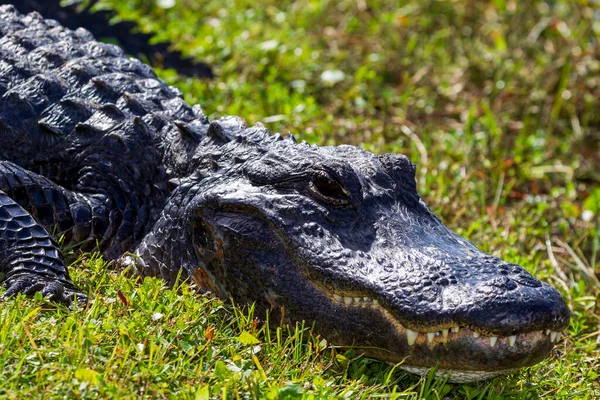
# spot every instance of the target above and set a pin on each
(328, 190)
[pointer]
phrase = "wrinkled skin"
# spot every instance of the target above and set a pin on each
(335, 236)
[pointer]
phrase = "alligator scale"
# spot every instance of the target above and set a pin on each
(97, 150)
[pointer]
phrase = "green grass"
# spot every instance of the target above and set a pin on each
(495, 101)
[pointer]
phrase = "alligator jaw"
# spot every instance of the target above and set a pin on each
(437, 339)
(458, 375)
(446, 333)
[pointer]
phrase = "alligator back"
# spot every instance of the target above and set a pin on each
(78, 13)
(84, 115)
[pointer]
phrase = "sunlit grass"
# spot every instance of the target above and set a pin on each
(139, 338)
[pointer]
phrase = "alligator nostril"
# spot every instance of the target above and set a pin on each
(526, 280)
(511, 285)
(504, 282)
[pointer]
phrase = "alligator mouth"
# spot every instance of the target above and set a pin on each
(438, 335)
(445, 340)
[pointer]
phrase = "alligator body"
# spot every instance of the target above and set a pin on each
(98, 150)
(80, 13)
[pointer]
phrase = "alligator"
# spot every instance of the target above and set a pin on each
(99, 152)
(77, 13)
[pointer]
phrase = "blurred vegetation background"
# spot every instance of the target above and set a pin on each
(493, 87)
(497, 103)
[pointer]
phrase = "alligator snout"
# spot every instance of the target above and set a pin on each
(447, 304)
(507, 305)
(475, 319)
(484, 293)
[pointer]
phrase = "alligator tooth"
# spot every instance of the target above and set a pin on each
(430, 336)
(456, 329)
(512, 339)
(337, 297)
(547, 332)
(386, 312)
(348, 300)
(553, 336)
(557, 336)
(493, 340)
(475, 334)
(445, 332)
(357, 299)
(411, 336)
(367, 299)
(375, 301)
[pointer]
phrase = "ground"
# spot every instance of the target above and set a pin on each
(495, 101)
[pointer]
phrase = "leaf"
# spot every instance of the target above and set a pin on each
(185, 346)
(592, 203)
(221, 371)
(123, 330)
(341, 359)
(122, 298)
(291, 391)
(156, 316)
(247, 338)
(87, 375)
(31, 315)
(209, 333)
(203, 393)
(255, 322)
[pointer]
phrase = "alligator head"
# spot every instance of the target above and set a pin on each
(339, 237)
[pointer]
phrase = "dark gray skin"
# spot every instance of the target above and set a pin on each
(99, 151)
(76, 13)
